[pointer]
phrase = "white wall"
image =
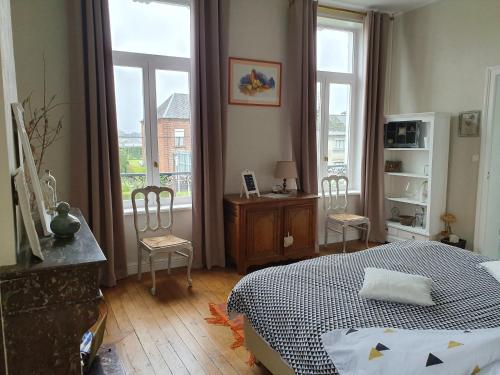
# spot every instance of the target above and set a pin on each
(257, 136)
(439, 60)
(40, 28)
(8, 95)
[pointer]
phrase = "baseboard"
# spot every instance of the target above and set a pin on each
(351, 235)
(160, 264)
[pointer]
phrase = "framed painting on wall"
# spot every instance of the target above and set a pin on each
(254, 82)
(469, 123)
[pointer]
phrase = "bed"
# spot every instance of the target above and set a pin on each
(288, 308)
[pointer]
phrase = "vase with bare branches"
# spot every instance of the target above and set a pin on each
(42, 125)
(43, 128)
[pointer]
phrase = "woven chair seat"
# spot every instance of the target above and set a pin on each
(347, 218)
(163, 241)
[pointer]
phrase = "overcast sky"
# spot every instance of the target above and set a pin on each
(163, 29)
(152, 28)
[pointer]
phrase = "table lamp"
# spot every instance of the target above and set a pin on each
(284, 170)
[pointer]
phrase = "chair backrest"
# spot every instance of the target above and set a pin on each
(148, 227)
(334, 202)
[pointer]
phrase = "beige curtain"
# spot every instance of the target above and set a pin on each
(209, 104)
(96, 186)
(301, 90)
(376, 31)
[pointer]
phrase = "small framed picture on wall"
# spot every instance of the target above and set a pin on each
(469, 124)
(254, 82)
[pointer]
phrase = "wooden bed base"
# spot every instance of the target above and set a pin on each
(263, 352)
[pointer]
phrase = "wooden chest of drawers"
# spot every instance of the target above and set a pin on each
(255, 229)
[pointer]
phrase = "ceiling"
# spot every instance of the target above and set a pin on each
(392, 6)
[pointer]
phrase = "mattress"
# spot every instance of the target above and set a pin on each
(292, 306)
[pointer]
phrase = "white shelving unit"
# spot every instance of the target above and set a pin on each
(407, 201)
(419, 165)
(414, 175)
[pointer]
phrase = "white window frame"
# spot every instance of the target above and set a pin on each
(149, 64)
(181, 138)
(353, 138)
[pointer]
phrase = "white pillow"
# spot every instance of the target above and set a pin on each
(493, 267)
(393, 286)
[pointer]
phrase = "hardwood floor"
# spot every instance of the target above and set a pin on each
(351, 247)
(167, 334)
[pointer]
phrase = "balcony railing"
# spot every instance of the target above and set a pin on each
(180, 182)
(339, 169)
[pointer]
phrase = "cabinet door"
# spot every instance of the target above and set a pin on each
(263, 233)
(300, 222)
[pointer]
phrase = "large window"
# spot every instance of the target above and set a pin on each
(151, 51)
(339, 99)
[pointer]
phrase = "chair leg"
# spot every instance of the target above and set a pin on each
(368, 225)
(139, 263)
(343, 238)
(153, 278)
(189, 265)
(169, 262)
(326, 232)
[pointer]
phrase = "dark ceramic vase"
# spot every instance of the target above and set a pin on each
(64, 225)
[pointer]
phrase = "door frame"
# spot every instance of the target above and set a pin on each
(485, 162)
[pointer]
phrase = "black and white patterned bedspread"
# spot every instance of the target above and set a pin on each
(291, 306)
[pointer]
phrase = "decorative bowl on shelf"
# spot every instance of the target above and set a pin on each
(406, 220)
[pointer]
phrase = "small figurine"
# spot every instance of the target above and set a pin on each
(49, 191)
(64, 225)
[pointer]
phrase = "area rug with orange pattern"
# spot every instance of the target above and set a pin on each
(221, 317)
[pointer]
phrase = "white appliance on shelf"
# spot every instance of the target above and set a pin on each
(426, 164)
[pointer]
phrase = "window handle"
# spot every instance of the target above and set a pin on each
(325, 158)
(155, 164)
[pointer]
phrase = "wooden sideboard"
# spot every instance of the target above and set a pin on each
(255, 229)
(47, 306)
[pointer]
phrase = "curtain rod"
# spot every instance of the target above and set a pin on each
(341, 10)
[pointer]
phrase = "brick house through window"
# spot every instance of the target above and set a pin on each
(174, 134)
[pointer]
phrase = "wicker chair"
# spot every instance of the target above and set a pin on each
(335, 206)
(158, 239)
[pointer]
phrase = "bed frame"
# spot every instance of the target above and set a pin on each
(263, 352)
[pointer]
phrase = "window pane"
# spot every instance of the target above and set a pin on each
(318, 131)
(130, 117)
(150, 27)
(334, 50)
(179, 137)
(174, 130)
(338, 123)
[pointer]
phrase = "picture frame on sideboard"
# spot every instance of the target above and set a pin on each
(24, 205)
(249, 184)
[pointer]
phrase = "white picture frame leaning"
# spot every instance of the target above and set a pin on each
(249, 184)
(24, 204)
(45, 218)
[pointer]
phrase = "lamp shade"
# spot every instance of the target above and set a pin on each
(285, 169)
